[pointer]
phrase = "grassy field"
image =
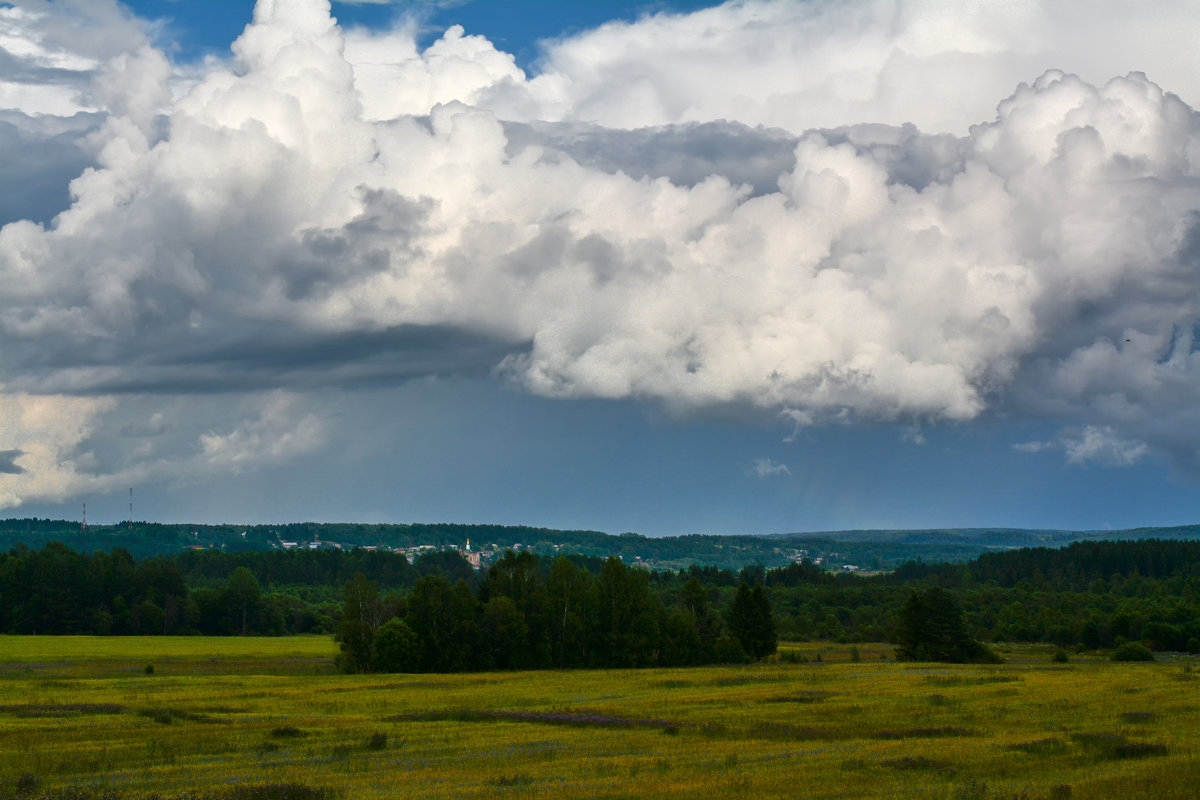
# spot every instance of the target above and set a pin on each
(232, 718)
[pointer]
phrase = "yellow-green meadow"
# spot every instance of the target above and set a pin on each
(165, 716)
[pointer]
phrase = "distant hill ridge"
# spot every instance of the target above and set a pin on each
(998, 537)
(867, 550)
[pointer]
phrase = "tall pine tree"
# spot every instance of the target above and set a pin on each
(932, 629)
(751, 621)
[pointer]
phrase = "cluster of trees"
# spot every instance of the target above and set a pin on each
(931, 628)
(529, 613)
(56, 590)
(1088, 595)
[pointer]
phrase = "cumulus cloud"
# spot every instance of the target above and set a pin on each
(798, 65)
(393, 78)
(50, 52)
(1097, 444)
(333, 208)
(53, 448)
(790, 65)
(1104, 446)
(766, 468)
(41, 154)
(43, 433)
(277, 433)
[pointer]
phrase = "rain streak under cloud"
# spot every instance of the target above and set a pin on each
(781, 213)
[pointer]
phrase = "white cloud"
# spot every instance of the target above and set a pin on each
(330, 209)
(42, 435)
(1096, 444)
(766, 468)
(1104, 446)
(277, 432)
(393, 78)
(54, 49)
(797, 65)
(56, 447)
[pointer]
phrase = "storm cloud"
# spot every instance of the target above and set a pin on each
(8, 462)
(798, 228)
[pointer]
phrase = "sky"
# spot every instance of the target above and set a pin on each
(674, 267)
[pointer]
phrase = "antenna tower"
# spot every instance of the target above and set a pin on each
(131, 507)
(83, 526)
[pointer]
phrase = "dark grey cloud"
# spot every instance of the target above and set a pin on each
(39, 156)
(912, 158)
(685, 154)
(248, 358)
(8, 465)
(23, 70)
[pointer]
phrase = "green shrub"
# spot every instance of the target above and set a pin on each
(917, 763)
(395, 647)
(1132, 651)
(287, 732)
(270, 791)
(1115, 746)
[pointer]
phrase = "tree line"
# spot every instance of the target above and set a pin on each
(1088, 595)
(532, 613)
(523, 612)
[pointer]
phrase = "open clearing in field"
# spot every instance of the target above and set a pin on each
(115, 656)
(219, 713)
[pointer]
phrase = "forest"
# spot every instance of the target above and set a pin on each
(865, 550)
(533, 611)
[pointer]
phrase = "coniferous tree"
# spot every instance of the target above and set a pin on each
(751, 621)
(932, 629)
(709, 626)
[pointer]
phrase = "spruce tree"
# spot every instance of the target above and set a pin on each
(751, 621)
(931, 628)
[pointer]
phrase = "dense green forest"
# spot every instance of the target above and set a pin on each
(148, 539)
(1086, 595)
(833, 551)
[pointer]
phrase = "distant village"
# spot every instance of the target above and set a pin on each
(482, 556)
(476, 557)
